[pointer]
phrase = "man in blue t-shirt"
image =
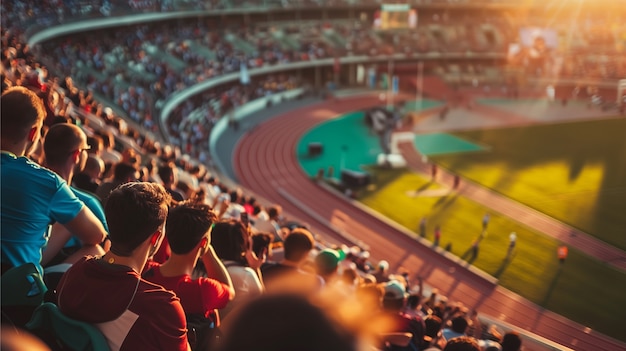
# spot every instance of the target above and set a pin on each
(33, 197)
(65, 150)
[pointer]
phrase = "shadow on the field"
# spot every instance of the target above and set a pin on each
(552, 285)
(505, 263)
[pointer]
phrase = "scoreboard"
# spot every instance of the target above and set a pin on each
(395, 16)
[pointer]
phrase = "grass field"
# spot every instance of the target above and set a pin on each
(575, 172)
(583, 289)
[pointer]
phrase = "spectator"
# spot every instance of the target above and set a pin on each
(108, 291)
(108, 152)
(65, 148)
(289, 273)
(167, 173)
(462, 343)
(231, 241)
(122, 173)
(511, 341)
(432, 333)
(188, 231)
(88, 179)
(284, 323)
(32, 196)
(270, 223)
(394, 302)
(458, 327)
(326, 264)
(382, 272)
(262, 244)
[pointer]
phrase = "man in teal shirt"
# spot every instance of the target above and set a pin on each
(32, 197)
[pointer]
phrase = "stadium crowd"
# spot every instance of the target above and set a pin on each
(235, 236)
(188, 259)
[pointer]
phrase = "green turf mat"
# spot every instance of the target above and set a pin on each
(347, 144)
(443, 143)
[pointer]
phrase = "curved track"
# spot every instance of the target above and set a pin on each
(266, 163)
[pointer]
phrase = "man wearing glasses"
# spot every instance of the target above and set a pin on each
(65, 149)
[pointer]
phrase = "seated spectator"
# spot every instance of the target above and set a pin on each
(65, 149)
(458, 327)
(33, 196)
(432, 334)
(326, 264)
(108, 291)
(284, 323)
(122, 173)
(88, 179)
(511, 341)
(167, 173)
(108, 152)
(462, 343)
(270, 222)
(262, 244)
(394, 302)
(231, 241)
(188, 230)
(289, 273)
(382, 272)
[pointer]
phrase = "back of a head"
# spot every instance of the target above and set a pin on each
(459, 324)
(326, 262)
(261, 241)
(229, 239)
(167, 173)
(124, 171)
(187, 223)
(432, 325)
(94, 165)
(283, 323)
(462, 343)
(395, 295)
(511, 341)
(298, 244)
(383, 266)
(413, 300)
(274, 211)
(61, 140)
(21, 109)
(134, 211)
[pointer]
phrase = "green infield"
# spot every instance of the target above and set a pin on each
(575, 172)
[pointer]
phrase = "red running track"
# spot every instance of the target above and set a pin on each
(266, 163)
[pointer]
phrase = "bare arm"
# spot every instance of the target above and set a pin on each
(215, 269)
(87, 227)
(59, 236)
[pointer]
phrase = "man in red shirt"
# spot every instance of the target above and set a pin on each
(188, 231)
(108, 291)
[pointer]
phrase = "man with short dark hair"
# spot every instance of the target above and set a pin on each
(462, 343)
(108, 291)
(511, 341)
(122, 173)
(458, 327)
(65, 148)
(288, 273)
(33, 197)
(188, 231)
